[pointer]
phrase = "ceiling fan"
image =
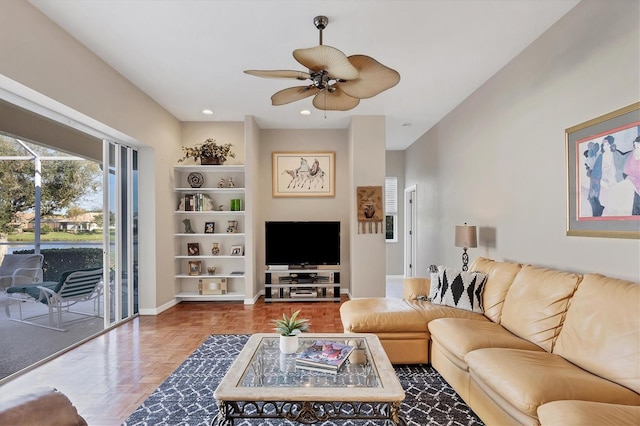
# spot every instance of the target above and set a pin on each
(338, 82)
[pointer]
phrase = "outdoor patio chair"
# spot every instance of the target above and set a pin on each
(72, 287)
(19, 269)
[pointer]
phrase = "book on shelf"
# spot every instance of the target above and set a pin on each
(324, 355)
(194, 202)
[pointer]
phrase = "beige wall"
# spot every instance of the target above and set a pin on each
(268, 207)
(41, 61)
(395, 251)
(498, 160)
(368, 263)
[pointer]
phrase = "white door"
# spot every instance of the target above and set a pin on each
(410, 231)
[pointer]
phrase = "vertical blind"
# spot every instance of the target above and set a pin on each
(391, 195)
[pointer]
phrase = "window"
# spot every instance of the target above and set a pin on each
(391, 209)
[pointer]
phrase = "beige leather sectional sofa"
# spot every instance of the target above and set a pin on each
(552, 347)
(43, 407)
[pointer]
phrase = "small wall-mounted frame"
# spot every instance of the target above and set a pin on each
(193, 249)
(603, 175)
(209, 227)
(237, 251)
(303, 174)
(212, 286)
(195, 267)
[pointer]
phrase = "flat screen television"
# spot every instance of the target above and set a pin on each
(302, 244)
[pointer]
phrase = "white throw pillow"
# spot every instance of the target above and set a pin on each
(435, 283)
(459, 289)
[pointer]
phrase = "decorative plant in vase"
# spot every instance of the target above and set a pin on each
(289, 328)
(209, 152)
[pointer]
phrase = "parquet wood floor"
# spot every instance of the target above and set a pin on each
(108, 377)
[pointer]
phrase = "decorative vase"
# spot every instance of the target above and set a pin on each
(208, 161)
(232, 226)
(215, 249)
(288, 344)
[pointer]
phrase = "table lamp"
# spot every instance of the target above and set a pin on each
(466, 237)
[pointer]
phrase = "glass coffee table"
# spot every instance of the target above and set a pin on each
(263, 383)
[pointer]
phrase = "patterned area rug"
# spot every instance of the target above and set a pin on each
(186, 397)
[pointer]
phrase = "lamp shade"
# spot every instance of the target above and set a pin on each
(466, 236)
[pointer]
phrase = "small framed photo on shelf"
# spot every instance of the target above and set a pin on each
(209, 227)
(193, 249)
(195, 267)
(237, 251)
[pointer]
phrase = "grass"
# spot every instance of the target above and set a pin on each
(55, 236)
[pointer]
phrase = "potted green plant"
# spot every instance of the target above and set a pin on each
(209, 152)
(289, 328)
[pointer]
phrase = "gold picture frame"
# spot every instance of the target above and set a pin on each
(195, 267)
(303, 174)
(603, 175)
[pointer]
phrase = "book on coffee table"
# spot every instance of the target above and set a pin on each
(324, 355)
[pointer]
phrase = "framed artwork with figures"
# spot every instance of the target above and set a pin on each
(603, 175)
(303, 174)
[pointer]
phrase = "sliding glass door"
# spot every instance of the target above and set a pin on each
(121, 213)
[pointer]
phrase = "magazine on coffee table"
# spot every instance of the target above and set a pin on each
(324, 355)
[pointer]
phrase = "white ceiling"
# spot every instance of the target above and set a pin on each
(189, 54)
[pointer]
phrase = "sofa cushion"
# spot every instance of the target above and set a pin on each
(562, 413)
(524, 380)
(416, 288)
(500, 275)
(536, 303)
(462, 290)
(601, 332)
(381, 315)
(459, 336)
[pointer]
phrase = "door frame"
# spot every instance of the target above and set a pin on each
(410, 230)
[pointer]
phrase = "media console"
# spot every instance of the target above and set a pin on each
(303, 285)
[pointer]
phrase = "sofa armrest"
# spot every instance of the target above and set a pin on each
(416, 287)
(43, 407)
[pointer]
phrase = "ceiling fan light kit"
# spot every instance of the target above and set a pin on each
(338, 82)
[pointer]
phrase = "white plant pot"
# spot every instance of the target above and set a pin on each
(288, 344)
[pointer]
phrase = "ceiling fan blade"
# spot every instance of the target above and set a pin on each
(374, 78)
(300, 75)
(334, 101)
(327, 58)
(292, 94)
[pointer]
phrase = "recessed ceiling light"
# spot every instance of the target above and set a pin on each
(207, 112)
(305, 112)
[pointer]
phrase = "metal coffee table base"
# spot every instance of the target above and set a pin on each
(307, 412)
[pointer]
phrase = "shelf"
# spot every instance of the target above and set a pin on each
(307, 285)
(220, 256)
(212, 212)
(187, 295)
(213, 169)
(210, 190)
(303, 299)
(213, 196)
(204, 276)
(217, 235)
(300, 271)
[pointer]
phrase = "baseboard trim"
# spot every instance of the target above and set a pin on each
(159, 309)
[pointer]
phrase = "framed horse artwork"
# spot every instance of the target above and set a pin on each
(303, 174)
